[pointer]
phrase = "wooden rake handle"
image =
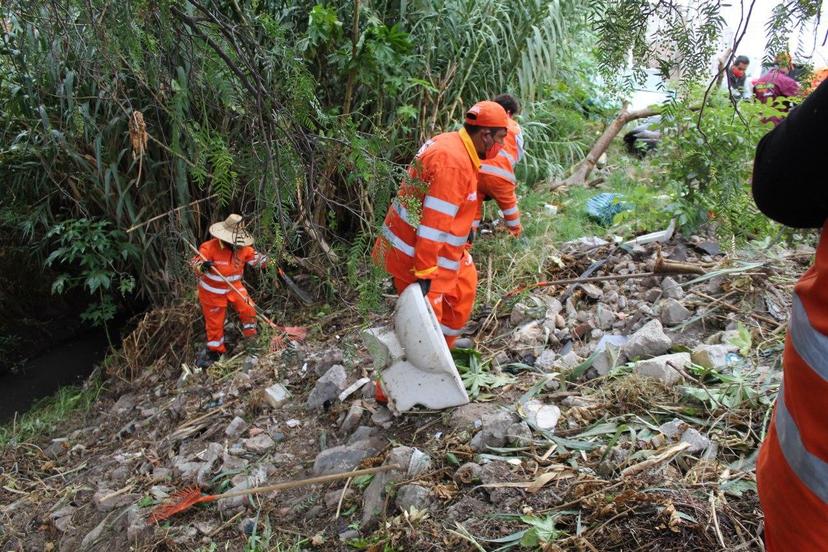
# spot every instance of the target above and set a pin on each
(302, 482)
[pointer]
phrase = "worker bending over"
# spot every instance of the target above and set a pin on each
(220, 267)
(792, 469)
(497, 173)
(426, 231)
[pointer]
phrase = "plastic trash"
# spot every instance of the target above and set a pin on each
(602, 208)
(417, 366)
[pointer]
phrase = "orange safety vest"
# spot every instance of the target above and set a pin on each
(497, 177)
(792, 469)
(229, 263)
(427, 225)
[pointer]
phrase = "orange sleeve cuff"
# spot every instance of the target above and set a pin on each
(425, 272)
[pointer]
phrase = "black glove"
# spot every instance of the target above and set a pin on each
(206, 266)
(425, 285)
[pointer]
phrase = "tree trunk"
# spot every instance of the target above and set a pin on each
(584, 168)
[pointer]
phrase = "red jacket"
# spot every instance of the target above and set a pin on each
(427, 225)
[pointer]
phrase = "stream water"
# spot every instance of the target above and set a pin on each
(66, 364)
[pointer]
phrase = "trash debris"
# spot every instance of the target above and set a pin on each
(603, 207)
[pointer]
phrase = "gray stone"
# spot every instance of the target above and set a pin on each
(345, 457)
(328, 387)
(609, 353)
(673, 312)
(712, 357)
(62, 518)
(187, 471)
(352, 418)
(323, 362)
(260, 443)
(412, 462)
(348, 535)
(332, 498)
(592, 291)
(469, 417)
(530, 338)
(664, 368)
(543, 417)
(519, 434)
(276, 395)
(678, 430)
(382, 416)
(137, 526)
(124, 404)
(250, 362)
(362, 433)
(546, 360)
(671, 289)
(604, 316)
(494, 431)
(468, 473)
(652, 295)
(569, 361)
(650, 340)
(93, 535)
(413, 496)
(242, 482)
(236, 427)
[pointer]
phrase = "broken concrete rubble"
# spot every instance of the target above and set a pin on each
(412, 463)
(671, 288)
(276, 395)
(666, 368)
(673, 312)
(712, 357)
(328, 387)
(345, 457)
(650, 340)
(413, 496)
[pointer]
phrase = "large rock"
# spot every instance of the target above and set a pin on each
(345, 457)
(328, 387)
(650, 340)
(410, 463)
(673, 312)
(671, 289)
(664, 368)
(413, 496)
(712, 357)
(495, 431)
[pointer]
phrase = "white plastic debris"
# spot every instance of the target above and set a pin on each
(662, 236)
(550, 210)
(352, 388)
(426, 375)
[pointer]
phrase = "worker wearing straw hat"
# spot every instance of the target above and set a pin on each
(220, 266)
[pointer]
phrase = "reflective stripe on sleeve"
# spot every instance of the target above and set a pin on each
(258, 260)
(440, 206)
(520, 145)
(510, 211)
(810, 469)
(476, 224)
(218, 343)
(507, 155)
(448, 263)
(809, 343)
(396, 242)
(513, 223)
(433, 234)
(248, 326)
(497, 171)
(402, 212)
(212, 289)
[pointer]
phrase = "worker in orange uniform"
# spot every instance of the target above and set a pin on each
(792, 468)
(497, 173)
(426, 230)
(225, 256)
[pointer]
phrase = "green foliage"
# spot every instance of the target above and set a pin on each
(708, 168)
(91, 253)
(476, 374)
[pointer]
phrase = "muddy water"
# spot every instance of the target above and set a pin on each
(66, 364)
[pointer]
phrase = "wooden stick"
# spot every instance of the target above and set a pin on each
(162, 215)
(303, 482)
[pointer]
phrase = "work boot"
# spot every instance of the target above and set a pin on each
(463, 343)
(207, 358)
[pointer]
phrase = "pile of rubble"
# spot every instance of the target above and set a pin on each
(630, 419)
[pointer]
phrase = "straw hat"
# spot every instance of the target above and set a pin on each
(231, 230)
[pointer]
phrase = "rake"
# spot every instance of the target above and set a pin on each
(185, 499)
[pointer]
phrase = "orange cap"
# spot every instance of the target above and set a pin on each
(487, 114)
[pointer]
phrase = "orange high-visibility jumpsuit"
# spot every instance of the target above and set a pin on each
(426, 229)
(792, 469)
(214, 293)
(497, 180)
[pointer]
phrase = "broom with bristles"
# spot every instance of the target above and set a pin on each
(187, 498)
